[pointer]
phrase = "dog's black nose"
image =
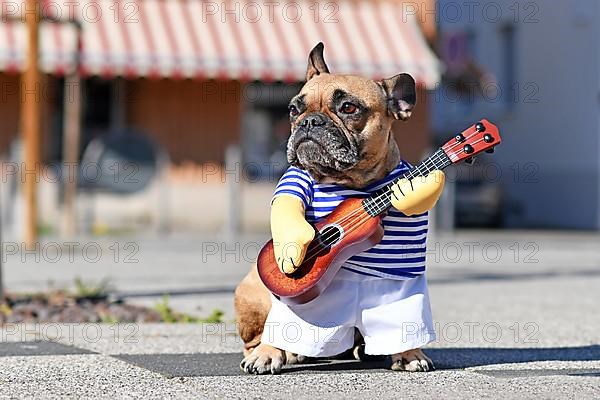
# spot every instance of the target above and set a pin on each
(313, 120)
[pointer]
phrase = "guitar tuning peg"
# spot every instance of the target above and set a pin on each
(470, 160)
(491, 150)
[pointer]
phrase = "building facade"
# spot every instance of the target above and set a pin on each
(198, 76)
(185, 71)
(534, 69)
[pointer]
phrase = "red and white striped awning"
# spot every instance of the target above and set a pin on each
(229, 39)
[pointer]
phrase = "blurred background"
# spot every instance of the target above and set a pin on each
(167, 119)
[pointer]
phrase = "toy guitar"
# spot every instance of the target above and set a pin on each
(355, 224)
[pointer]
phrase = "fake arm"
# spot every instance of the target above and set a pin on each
(291, 233)
(418, 195)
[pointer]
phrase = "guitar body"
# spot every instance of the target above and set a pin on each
(354, 231)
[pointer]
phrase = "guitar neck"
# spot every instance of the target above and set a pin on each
(381, 201)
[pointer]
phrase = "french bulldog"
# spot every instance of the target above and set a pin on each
(341, 133)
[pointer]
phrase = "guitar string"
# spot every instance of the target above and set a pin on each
(355, 227)
(356, 224)
(409, 175)
(439, 157)
(436, 157)
(413, 173)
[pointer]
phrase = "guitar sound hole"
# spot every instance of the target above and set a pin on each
(330, 235)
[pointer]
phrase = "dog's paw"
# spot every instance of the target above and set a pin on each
(412, 361)
(293, 358)
(263, 359)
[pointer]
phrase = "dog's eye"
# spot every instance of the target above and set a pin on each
(348, 108)
(293, 111)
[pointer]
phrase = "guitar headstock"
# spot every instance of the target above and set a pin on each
(480, 137)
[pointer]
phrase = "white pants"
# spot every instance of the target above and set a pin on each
(392, 315)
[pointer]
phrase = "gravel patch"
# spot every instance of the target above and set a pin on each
(90, 376)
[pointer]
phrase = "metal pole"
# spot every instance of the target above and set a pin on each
(233, 161)
(72, 107)
(447, 207)
(72, 134)
(1, 253)
(30, 123)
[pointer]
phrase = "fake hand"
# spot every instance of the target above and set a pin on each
(291, 233)
(418, 195)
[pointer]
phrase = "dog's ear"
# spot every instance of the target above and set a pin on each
(316, 62)
(401, 92)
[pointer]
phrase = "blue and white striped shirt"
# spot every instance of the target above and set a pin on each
(400, 254)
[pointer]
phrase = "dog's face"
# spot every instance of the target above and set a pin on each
(341, 124)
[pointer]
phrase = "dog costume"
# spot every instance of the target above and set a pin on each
(382, 292)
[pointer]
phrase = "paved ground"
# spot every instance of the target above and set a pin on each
(516, 316)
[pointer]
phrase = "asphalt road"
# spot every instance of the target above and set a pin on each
(522, 324)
